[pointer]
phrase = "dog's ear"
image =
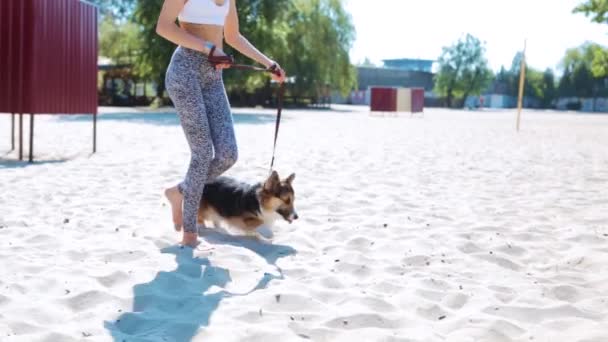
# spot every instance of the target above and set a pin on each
(272, 182)
(290, 179)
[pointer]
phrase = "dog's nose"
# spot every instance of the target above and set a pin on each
(295, 216)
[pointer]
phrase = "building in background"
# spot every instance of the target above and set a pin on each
(425, 65)
(402, 72)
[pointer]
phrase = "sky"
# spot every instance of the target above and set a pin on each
(419, 29)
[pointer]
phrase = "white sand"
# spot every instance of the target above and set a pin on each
(450, 227)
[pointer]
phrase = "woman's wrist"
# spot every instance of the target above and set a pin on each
(269, 63)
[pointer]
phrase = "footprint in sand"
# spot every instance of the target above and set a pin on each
(431, 312)
(566, 293)
(433, 296)
(88, 300)
(500, 261)
(113, 279)
(455, 301)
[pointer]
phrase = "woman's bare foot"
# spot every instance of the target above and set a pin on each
(175, 199)
(190, 239)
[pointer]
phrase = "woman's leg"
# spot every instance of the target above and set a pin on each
(184, 87)
(221, 125)
(221, 128)
(196, 128)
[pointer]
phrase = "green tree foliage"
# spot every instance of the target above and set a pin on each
(463, 70)
(579, 78)
(262, 22)
(156, 51)
(597, 9)
(119, 9)
(549, 89)
(120, 42)
(319, 39)
(537, 84)
(309, 38)
(514, 74)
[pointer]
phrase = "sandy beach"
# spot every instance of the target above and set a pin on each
(446, 227)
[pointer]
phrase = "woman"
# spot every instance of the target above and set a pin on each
(197, 91)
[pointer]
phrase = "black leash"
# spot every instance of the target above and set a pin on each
(281, 92)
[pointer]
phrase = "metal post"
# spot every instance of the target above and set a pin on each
(522, 77)
(31, 137)
(94, 132)
(20, 136)
(12, 131)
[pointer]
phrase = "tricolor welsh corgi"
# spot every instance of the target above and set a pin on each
(248, 206)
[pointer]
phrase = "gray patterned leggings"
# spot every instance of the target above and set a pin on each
(197, 91)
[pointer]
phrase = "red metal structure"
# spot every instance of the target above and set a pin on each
(389, 99)
(383, 99)
(417, 100)
(48, 61)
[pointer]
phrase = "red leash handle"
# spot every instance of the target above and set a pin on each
(215, 60)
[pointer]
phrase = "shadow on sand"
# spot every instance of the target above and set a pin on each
(164, 119)
(174, 305)
(14, 163)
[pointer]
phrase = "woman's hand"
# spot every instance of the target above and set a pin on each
(217, 52)
(279, 74)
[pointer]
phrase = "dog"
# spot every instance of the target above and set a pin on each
(248, 206)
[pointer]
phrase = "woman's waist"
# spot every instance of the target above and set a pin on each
(187, 57)
(208, 33)
(188, 63)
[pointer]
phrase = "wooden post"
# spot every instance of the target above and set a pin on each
(522, 77)
(31, 137)
(20, 136)
(12, 131)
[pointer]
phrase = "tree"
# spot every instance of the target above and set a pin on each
(320, 36)
(578, 65)
(537, 84)
(549, 90)
(256, 17)
(310, 38)
(119, 41)
(463, 70)
(156, 53)
(597, 9)
(263, 22)
(534, 84)
(514, 73)
(119, 9)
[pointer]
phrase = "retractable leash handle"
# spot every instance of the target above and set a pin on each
(274, 69)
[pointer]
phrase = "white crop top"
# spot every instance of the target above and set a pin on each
(204, 12)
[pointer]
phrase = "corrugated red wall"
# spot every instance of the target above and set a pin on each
(48, 57)
(383, 99)
(417, 100)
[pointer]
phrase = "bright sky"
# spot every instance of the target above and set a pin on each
(418, 29)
